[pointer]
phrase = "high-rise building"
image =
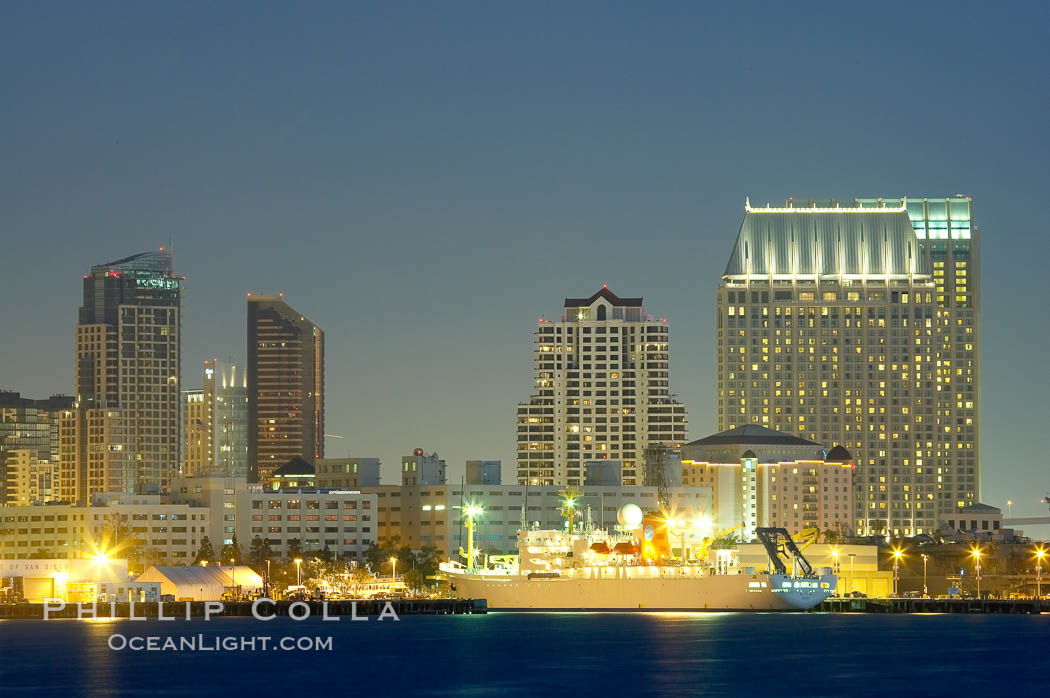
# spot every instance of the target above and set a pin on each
(602, 392)
(950, 242)
(127, 360)
(196, 433)
(829, 326)
(29, 427)
(285, 386)
(215, 422)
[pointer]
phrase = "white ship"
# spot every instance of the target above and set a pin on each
(631, 569)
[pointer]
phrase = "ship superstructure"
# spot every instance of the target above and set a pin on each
(632, 568)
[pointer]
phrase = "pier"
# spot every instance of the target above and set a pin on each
(184, 610)
(840, 605)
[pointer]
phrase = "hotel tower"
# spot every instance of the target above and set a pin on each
(857, 325)
(601, 393)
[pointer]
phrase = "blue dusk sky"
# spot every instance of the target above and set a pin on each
(425, 180)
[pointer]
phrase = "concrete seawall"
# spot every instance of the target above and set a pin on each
(1032, 606)
(184, 610)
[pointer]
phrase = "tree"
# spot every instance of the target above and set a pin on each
(231, 551)
(415, 580)
(206, 553)
(295, 549)
(375, 557)
(831, 536)
(258, 553)
(151, 558)
(359, 576)
(427, 560)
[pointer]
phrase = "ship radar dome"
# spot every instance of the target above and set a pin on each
(629, 516)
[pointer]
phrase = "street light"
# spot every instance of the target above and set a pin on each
(897, 555)
(233, 572)
(925, 592)
(1040, 553)
(851, 558)
(393, 564)
(976, 555)
(298, 571)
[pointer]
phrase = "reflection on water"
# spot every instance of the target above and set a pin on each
(528, 654)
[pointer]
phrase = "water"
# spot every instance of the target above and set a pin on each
(537, 654)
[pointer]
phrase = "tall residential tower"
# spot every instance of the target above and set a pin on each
(124, 434)
(285, 386)
(831, 325)
(601, 392)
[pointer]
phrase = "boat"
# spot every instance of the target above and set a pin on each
(632, 569)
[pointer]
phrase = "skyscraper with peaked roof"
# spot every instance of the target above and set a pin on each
(832, 324)
(285, 386)
(128, 364)
(602, 392)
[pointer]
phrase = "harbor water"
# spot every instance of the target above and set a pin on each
(498, 654)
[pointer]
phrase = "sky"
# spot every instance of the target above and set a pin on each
(425, 180)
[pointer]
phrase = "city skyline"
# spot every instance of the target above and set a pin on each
(427, 285)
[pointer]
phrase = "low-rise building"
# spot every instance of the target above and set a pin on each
(976, 520)
(348, 473)
(432, 515)
(343, 522)
(776, 480)
(39, 579)
(860, 568)
(203, 583)
(138, 527)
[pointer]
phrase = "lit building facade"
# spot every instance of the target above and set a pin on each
(139, 528)
(29, 446)
(341, 522)
(285, 386)
(602, 391)
(215, 422)
(128, 359)
(761, 477)
(348, 473)
(829, 326)
(950, 243)
(95, 453)
(432, 515)
(196, 423)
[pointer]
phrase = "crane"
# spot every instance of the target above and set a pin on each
(701, 550)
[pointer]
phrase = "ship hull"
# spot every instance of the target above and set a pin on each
(732, 592)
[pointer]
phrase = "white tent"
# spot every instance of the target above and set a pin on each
(198, 583)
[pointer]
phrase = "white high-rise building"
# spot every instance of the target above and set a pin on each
(601, 392)
(856, 325)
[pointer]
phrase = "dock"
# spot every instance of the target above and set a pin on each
(919, 605)
(185, 610)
